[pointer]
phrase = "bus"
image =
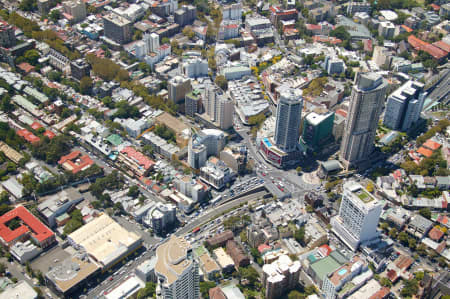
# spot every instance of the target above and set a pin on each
(196, 230)
(215, 200)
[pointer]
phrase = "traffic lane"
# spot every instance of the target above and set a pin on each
(217, 211)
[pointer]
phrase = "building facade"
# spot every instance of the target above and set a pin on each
(287, 129)
(404, 106)
(366, 103)
(280, 276)
(193, 103)
(178, 88)
(117, 28)
(358, 216)
(75, 10)
(317, 128)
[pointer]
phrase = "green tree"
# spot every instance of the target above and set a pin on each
(28, 5)
(31, 56)
(410, 288)
(425, 212)
(412, 243)
(298, 169)
(55, 15)
(296, 295)
(133, 191)
(403, 238)
(393, 233)
(222, 82)
(299, 235)
(86, 84)
(148, 291)
(188, 32)
(249, 273)
(75, 222)
(5, 104)
(205, 286)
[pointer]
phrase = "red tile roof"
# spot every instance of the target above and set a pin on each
(73, 163)
(49, 134)
(435, 7)
(36, 125)
(26, 67)
(31, 224)
(392, 275)
(341, 112)
(216, 293)
(435, 234)
(325, 249)
(139, 157)
(28, 136)
(407, 29)
(442, 219)
(326, 39)
(263, 248)
(382, 293)
(425, 152)
(442, 45)
(419, 44)
(313, 27)
(403, 262)
(432, 145)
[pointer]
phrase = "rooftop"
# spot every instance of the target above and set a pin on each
(172, 259)
(71, 272)
(104, 239)
(30, 224)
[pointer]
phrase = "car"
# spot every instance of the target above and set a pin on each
(110, 278)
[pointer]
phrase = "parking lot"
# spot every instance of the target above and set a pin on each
(49, 259)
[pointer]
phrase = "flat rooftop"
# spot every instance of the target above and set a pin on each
(172, 259)
(104, 239)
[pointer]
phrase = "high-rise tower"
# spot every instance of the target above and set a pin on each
(366, 103)
(287, 129)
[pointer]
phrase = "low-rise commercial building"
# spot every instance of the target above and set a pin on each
(146, 270)
(138, 163)
(58, 204)
(25, 251)
(225, 261)
(70, 275)
(216, 173)
(105, 241)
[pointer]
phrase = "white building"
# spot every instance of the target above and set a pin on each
(232, 12)
(20, 290)
(358, 216)
(287, 128)
(195, 67)
(206, 143)
(346, 279)
(24, 252)
(75, 10)
(176, 270)
(404, 106)
(161, 217)
(381, 56)
(216, 173)
(226, 112)
(386, 29)
(280, 276)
